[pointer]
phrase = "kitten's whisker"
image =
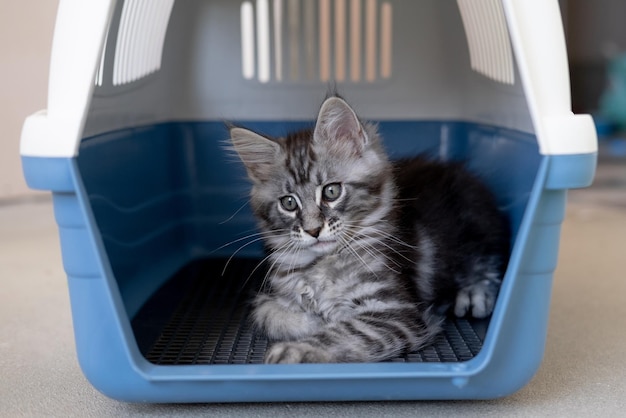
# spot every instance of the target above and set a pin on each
(235, 253)
(256, 229)
(379, 238)
(234, 214)
(380, 256)
(260, 263)
(293, 260)
(261, 234)
(386, 199)
(382, 242)
(242, 247)
(356, 254)
(369, 248)
(357, 228)
(381, 253)
(285, 251)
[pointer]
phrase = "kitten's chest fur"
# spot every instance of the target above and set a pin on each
(323, 288)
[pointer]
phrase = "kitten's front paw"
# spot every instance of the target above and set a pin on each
(478, 299)
(295, 352)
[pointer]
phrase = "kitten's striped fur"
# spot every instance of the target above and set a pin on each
(365, 254)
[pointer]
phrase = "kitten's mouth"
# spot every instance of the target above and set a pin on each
(323, 246)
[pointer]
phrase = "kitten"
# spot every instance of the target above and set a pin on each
(366, 255)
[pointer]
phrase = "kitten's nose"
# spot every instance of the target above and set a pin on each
(313, 232)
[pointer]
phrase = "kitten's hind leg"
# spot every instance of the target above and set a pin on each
(367, 337)
(477, 299)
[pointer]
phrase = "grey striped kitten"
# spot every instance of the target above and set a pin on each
(366, 255)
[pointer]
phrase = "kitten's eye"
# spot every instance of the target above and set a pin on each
(289, 203)
(331, 192)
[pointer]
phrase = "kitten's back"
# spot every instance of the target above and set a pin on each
(453, 218)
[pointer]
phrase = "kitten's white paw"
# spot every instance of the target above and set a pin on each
(477, 299)
(295, 352)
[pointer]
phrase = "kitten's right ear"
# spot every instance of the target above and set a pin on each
(257, 153)
(339, 127)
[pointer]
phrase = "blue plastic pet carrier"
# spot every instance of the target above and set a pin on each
(145, 197)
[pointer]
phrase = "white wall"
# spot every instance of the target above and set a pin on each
(26, 28)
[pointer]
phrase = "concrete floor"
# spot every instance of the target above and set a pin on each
(583, 372)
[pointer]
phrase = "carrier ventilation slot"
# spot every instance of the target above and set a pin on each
(297, 40)
(140, 39)
(488, 39)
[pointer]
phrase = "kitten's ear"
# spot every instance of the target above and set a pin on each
(257, 153)
(338, 126)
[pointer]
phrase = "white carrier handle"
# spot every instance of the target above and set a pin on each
(536, 32)
(79, 35)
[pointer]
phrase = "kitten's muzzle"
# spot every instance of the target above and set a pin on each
(323, 246)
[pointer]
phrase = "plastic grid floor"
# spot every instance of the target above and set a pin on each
(201, 317)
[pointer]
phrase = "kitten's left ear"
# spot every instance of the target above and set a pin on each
(259, 154)
(338, 126)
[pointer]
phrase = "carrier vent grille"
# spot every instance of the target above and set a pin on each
(488, 39)
(140, 38)
(298, 40)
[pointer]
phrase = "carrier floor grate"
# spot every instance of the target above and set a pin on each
(201, 317)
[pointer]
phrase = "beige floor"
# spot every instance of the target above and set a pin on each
(583, 373)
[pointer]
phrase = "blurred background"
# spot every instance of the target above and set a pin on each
(26, 28)
(596, 35)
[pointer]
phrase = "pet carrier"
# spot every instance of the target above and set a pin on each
(145, 197)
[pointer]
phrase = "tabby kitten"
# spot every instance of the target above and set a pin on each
(366, 255)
